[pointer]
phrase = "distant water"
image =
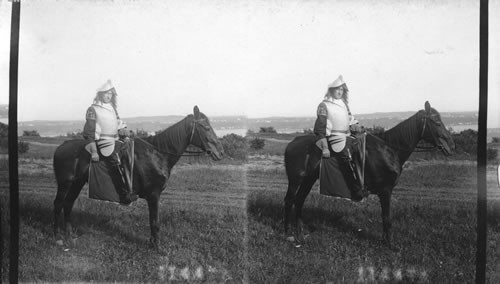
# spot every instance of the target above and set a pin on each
(462, 127)
(243, 131)
(237, 131)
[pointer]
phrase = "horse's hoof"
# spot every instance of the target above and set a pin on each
(60, 242)
(290, 239)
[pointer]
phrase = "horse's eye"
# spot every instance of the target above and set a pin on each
(206, 127)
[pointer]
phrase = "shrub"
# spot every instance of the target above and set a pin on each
(268, 129)
(466, 142)
(235, 146)
(491, 154)
(32, 133)
(257, 143)
(77, 134)
(495, 140)
(375, 130)
(22, 147)
(4, 137)
(141, 133)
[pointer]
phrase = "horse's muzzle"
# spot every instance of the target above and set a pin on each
(215, 155)
(446, 148)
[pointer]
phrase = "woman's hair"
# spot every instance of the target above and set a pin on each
(345, 95)
(113, 102)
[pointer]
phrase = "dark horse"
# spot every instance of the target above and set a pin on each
(385, 156)
(154, 157)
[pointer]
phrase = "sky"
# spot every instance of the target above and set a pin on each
(248, 57)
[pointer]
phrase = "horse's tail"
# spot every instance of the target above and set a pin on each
(65, 159)
(287, 158)
(296, 153)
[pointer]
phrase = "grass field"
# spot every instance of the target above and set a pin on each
(202, 237)
(434, 225)
(223, 223)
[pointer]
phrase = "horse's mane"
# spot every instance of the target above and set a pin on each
(405, 133)
(173, 136)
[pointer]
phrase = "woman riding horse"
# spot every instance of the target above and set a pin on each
(332, 127)
(102, 127)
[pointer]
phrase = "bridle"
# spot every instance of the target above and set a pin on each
(418, 148)
(189, 153)
(426, 148)
(194, 153)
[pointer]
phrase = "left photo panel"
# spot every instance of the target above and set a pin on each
(131, 154)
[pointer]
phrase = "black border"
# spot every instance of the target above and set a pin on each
(13, 154)
(481, 144)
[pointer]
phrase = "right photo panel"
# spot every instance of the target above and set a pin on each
(363, 142)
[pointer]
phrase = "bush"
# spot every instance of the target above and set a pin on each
(141, 133)
(78, 134)
(375, 130)
(4, 137)
(495, 140)
(466, 142)
(32, 133)
(235, 146)
(22, 147)
(491, 154)
(257, 143)
(268, 129)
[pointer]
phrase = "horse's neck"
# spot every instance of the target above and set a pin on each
(404, 137)
(174, 140)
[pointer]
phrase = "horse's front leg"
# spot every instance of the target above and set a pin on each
(153, 203)
(68, 203)
(62, 188)
(304, 189)
(385, 203)
(289, 201)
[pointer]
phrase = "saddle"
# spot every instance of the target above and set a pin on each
(358, 155)
(101, 186)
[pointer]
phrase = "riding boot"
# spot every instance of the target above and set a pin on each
(121, 186)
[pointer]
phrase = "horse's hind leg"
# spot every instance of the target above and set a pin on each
(69, 201)
(304, 190)
(385, 202)
(293, 185)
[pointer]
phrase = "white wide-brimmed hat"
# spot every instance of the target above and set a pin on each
(106, 87)
(337, 83)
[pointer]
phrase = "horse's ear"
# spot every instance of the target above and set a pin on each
(196, 112)
(427, 107)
